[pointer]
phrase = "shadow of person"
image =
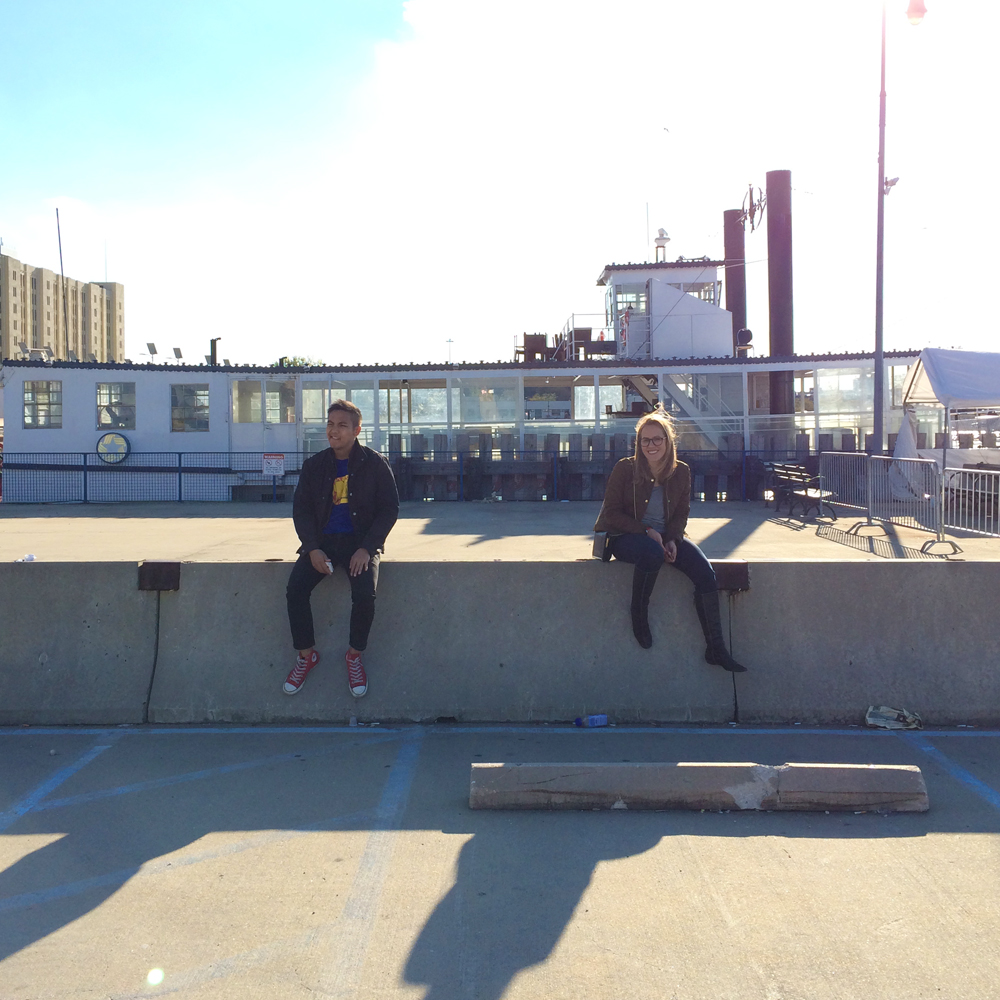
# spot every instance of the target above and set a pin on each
(96, 847)
(57, 884)
(518, 882)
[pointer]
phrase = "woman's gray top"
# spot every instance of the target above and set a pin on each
(654, 510)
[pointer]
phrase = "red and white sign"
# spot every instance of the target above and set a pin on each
(273, 465)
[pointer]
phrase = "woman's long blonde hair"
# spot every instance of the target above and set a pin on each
(662, 420)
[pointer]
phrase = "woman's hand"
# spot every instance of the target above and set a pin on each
(655, 535)
(669, 548)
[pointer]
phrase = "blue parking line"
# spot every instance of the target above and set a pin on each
(535, 729)
(984, 791)
(563, 730)
(31, 800)
(210, 772)
(193, 730)
(357, 919)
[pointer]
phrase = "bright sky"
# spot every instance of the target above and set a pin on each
(363, 181)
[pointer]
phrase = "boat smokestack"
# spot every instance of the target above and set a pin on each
(736, 271)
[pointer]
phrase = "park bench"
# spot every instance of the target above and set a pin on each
(794, 484)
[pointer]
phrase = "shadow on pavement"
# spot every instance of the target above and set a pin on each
(886, 547)
(137, 813)
(518, 882)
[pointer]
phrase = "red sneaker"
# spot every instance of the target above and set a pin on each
(356, 676)
(297, 677)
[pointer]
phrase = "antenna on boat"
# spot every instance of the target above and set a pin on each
(62, 275)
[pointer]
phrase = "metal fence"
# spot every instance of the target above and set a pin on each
(901, 491)
(972, 500)
(175, 476)
(912, 492)
(845, 474)
(905, 491)
(481, 472)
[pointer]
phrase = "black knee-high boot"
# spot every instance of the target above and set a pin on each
(642, 588)
(711, 624)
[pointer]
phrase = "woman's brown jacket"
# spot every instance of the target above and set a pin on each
(625, 501)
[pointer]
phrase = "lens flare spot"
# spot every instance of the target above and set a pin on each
(155, 977)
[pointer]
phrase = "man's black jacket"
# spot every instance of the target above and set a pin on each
(371, 497)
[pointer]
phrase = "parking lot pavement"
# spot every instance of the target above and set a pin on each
(293, 862)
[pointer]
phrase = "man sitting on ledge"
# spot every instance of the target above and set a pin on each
(344, 507)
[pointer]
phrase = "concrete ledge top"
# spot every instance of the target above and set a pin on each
(698, 785)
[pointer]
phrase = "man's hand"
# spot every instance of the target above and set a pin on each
(669, 551)
(318, 558)
(359, 562)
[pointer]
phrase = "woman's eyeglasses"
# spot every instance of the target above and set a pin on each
(654, 442)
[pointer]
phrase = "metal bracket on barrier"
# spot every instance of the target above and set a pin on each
(159, 576)
(732, 574)
(928, 546)
(855, 529)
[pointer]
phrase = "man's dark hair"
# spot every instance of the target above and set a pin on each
(343, 404)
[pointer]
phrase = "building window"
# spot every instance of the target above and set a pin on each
(189, 407)
(545, 401)
(897, 378)
(280, 402)
(630, 297)
(246, 402)
(42, 405)
(116, 406)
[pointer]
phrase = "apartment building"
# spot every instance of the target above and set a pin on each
(42, 316)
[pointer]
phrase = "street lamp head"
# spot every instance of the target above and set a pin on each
(915, 12)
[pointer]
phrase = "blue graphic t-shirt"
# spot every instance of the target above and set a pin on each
(340, 513)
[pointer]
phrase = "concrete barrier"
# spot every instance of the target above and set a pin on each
(498, 642)
(737, 786)
(825, 640)
(465, 641)
(77, 643)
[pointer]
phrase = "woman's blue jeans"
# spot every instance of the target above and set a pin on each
(647, 556)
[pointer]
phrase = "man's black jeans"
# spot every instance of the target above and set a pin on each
(303, 578)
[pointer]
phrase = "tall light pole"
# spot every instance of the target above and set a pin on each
(915, 14)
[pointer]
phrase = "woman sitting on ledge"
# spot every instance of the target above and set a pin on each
(645, 512)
